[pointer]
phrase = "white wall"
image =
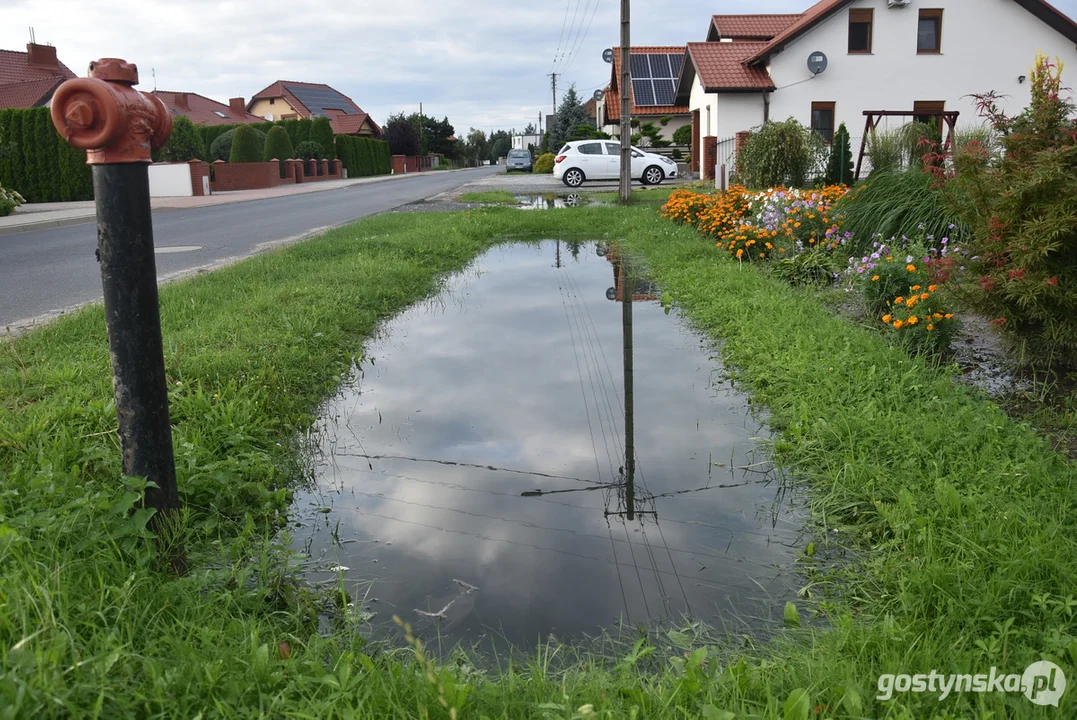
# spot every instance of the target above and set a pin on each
(986, 45)
(170, 180)
(738, 112)
(520, 142)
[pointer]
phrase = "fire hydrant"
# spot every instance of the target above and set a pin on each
(118, 126)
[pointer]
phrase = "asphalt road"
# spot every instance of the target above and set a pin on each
(45, 271)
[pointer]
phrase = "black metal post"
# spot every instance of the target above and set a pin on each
(129, 279)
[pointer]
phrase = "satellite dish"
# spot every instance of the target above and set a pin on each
(607, 55)
(817, 63)
(611, 294)
(599, 95)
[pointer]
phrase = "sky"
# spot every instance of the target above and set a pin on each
(482, 63)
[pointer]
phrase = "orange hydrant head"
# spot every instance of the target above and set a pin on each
(104, 115)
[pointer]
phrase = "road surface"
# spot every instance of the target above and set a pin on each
(45, 271)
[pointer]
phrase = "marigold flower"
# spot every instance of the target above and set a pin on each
(887, 318)
(925, 296)
(898, 324)
(930, 327)
(949, 316)
(740, 253)
(875, 278)
(913, 320)
(932, 288)
(910, 267)
(915, 287)
(899, 300)
(911, 302)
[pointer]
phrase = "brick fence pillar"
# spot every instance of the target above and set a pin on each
(696, 130)
(199, 170)
(340, 167)
(710, 156)
(289, 172)
(325, 167)
(742, 138)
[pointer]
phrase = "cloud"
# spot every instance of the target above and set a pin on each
(482, 63)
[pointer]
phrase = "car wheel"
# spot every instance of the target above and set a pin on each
(573, 177)
(653, 175)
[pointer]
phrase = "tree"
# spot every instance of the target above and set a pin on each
(184, 144)
(278, 147)
(246, 146)
(221, 147)
(683, 135)
(530, 129)
(499, 142)
(839, 169)
(650, 135)
(570, 115)
(476, 147)
(402, 135)
(321, 132)
(309, 150)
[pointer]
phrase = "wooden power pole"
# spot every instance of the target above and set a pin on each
(627, 290)
(626, 102)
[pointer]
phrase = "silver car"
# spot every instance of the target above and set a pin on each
(519, 160)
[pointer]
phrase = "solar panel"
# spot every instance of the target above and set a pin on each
(642, 92)
(664, 93)
(318, 99)
(675, 62)
(660, 66)
(641, 66)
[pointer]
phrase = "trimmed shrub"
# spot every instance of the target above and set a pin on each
(363, 156)
(247, 145)
(37, 163)
(544, 164)
(321, 132)
(184, 144)
(839, 170)
(309, 150)
(221, 149)
(683, 135)
(278, 146)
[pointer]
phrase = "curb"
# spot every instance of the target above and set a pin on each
(47, 224)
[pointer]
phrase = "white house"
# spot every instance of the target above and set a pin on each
(520, 142)
(881, 55)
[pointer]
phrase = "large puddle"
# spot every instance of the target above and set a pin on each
(475, 479)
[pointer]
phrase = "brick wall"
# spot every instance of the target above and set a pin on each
(710, 156)
(199, 170)
(244, 176)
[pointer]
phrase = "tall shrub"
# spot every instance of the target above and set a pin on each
(278, 147)
(183, 145)
(246, 146)
(1022, 209)
(839, 168)
(321, 132)
(37, 163)
(780, 153)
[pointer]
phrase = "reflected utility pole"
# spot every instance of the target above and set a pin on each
(626, 103)
(628, 287)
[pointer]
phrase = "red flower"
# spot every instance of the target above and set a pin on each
(998, 322)
(987, 284)
(1053, 282)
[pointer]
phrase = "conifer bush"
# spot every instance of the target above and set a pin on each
(246, 146)
(278, 147)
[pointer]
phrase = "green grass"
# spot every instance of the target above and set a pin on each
(958, 523)
(493, 197)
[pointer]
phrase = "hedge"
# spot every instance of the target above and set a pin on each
(247, 146)
(362, 156)
(40, 165)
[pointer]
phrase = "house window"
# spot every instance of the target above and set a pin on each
(929, 32)
(934, 107)
(272, 100)
(860, 24)
(822, 119)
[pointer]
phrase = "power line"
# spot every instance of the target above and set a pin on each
(572, 57)
(563, 23)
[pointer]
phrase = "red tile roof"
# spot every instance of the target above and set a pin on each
(823, 9)
(279, 90)
(202, 110)
(25, 84)
(721, 66)
(613, 96)
(749, 27)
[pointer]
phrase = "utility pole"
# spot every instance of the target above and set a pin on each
(420, 126)
(626, 103)
(553, 85)
(627, 290)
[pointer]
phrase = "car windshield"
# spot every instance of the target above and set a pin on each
(519, 154)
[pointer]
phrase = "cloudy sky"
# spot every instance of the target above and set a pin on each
(484, 63)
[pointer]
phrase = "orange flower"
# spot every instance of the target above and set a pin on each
(887, 318)
(899, 300)
(913, 320)
(898, 324)
(932, 288)
(910, 268)
(930, 327)
(915, 288)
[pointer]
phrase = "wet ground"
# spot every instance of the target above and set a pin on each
(475, 479)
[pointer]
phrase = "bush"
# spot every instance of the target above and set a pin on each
(9, 200)
(278, 147)
(183, 145)
(221, 148)
(683, 135)
(780, 154)
(839, 169)
(309, 150)
(544, 163)
(898, 203)
(247, 145)
(1022, 211)
(321, 132)
(38, 162)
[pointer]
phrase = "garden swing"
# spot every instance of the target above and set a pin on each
(874, 117)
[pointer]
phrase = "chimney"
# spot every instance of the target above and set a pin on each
(181, 101)
(238, 106)
(43, 56)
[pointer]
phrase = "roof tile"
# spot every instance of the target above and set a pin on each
(721, 66)
(202, 110)
(752, 27)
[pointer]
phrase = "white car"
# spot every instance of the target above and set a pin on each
(601, 160)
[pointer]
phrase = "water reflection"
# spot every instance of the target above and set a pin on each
(522, 457)
(549, 202)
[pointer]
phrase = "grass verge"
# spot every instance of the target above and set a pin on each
(962, 520)
(491, 197)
